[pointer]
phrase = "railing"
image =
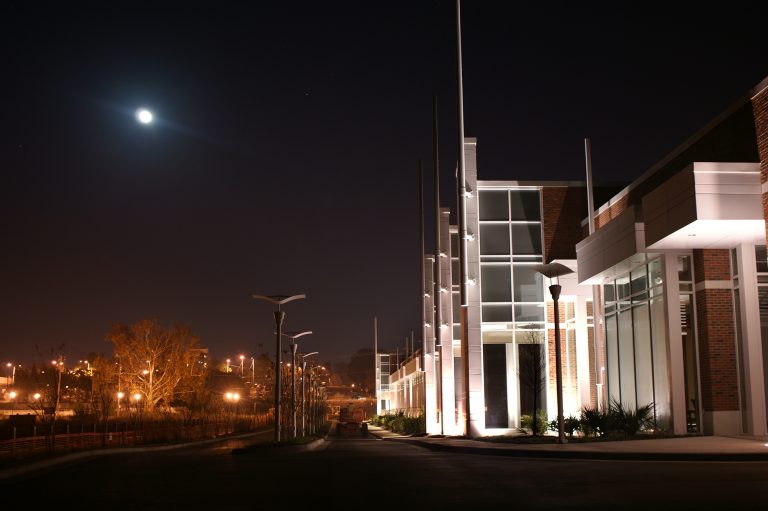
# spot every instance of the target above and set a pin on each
(122, 436)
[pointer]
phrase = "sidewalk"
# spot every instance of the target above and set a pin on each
(34, 465)
(700, 448)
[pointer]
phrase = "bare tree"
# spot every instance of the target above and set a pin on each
(104, 388)
(46, 400)
(153, 360)
(532, 371)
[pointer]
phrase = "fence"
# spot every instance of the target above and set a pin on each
(122, 436)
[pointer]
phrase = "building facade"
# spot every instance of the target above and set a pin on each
(675, 278)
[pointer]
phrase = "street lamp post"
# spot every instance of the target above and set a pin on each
(553, 271)
(278, 300)
(13, 373)
(294, 347)
(303, 398)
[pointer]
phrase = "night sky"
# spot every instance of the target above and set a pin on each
(284, 159)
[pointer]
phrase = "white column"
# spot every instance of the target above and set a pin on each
(475, 346)
(430, 387)
(675, 344)
(445, 331)
(751, 339)
(582, 351)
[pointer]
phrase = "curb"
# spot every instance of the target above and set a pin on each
(587, 455)
(12, 472)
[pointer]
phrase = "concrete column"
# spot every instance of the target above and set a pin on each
(474, 338)
(430, 386)
(751, 341)
(445, 331)
(582, 351)
(675, 344)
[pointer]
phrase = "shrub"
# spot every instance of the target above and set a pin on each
(630, 421)
(593, 422)
(570, 425)
(526, 422)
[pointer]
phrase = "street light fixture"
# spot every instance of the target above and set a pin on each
(303, 398)
(553, 271)
(294, 347)
(278, 300)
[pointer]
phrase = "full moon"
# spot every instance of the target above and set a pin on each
(144, 116)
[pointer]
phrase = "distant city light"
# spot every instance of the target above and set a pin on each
(36, 395)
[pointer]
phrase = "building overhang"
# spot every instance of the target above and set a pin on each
(613, 249)
(706, 205)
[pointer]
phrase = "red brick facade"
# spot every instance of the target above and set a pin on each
(612, 212)
(562, 209)
(716, 332)
(760, 109)
(568, 354)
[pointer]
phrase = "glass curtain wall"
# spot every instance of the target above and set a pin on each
(636, 341)
(512, 292)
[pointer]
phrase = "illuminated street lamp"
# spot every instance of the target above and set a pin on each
(36, 396)
(278, 300)
(120, 396)
(553, 271)
(294, 347)
(13, 372)
(12, 395)
(303, 398)
(242, 358)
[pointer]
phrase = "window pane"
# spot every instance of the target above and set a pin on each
(455, 272)
(661, 392)
(612, 352)
(454, 244)
(761, 258)
(684, 269)
(526, 239)
(524, 205)
(494, 239)
(495, 283)
(643, 362)
(626, 361)
(528, 284)
(529, 313)
(638, 280)
(497, 313)
(610, 292)
(654, 270)
(495, 379)
(622, 287)
(493, 205)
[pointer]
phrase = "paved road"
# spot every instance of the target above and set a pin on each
(364, 473)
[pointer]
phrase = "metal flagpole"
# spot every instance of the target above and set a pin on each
(597, 303)
(462, 187)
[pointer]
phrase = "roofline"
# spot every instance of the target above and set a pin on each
(755, 91)
(530, 184)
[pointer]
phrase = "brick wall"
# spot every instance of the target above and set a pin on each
(612, 212)
(712, 265)
(568, 359)
(563, 209)
(760, 109)
(716, 333)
